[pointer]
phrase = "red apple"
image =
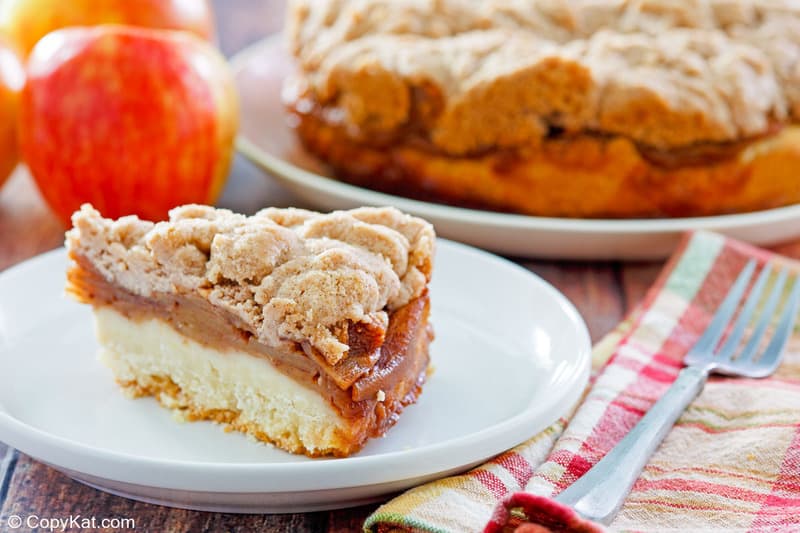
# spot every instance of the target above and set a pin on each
(133, 120)
(24, 22)
(12, 78)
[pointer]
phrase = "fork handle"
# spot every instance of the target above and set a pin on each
(599, 493)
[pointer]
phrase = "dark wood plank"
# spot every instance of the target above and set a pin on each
(348, 520)
(636, 279)
(593, 288)
(36, 489)
(789, 249)
(27, 227)
(8, 461)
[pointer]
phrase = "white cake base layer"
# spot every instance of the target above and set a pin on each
(232, 387)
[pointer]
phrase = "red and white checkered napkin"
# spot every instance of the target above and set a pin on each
(731, 463)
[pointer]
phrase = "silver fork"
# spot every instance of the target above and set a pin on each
(599, 493)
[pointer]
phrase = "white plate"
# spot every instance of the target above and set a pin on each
(266, 139)
(511, 355)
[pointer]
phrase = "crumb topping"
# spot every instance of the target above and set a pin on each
(474, 75)
(290, 274)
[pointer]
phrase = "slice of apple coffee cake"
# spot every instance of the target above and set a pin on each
(306, 330)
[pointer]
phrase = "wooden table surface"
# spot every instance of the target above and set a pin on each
(602, 292)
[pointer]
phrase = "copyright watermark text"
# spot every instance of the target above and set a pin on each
(67, 523)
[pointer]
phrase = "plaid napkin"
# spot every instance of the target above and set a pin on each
(731, 463)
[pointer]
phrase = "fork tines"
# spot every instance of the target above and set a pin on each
(760, 307)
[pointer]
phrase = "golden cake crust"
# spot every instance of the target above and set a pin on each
(581, 176)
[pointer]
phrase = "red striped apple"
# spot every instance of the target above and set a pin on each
(12, 78)
(135, 121)
(24, 22)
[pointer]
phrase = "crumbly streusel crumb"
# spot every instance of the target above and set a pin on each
(504, 73)
(291, 275)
